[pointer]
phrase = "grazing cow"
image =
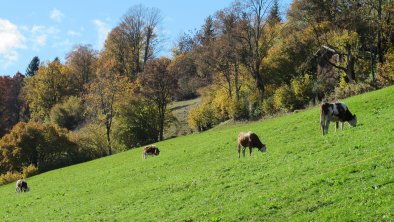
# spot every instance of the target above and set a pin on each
(151, 150)
(335, 112)
(21, 186)
(250, 140)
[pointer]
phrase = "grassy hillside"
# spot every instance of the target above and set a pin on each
(345, 176)
(180, 111)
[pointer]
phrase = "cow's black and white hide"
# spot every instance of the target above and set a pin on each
(21, 186)
(335, 112)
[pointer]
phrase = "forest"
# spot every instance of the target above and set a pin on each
(247, 61)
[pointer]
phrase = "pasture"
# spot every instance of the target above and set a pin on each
(344, 176)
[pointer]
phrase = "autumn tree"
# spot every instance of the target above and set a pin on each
(103, 95)
(50, 85)
(255, 40)
(135, 40)
(82, 63)
(43, 145)
(159, 85)
(33, 66)
(12, 105)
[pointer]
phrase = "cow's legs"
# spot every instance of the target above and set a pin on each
(243, 151)
(144, 155)
(336, 126)
(239, 151)
(342, 125)
(250, 151)
(322, 124)
(327, 124)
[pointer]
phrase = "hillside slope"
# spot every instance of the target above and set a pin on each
(345, 176)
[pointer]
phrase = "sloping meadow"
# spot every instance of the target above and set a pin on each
(346, 175)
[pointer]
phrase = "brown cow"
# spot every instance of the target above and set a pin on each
(250, 140)
(150, 150)
(335, 112)
(21, 186)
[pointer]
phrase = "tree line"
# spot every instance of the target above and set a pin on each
(246, 61)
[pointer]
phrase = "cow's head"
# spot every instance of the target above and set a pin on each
(263, 148)
(353, 122)
(157, 151)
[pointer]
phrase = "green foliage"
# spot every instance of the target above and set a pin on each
(137, 123)
(268, 107)
(91, 141)
(202, 117)
(240, 110)
(33, 66)
(68, 114)
(344, 176)
(283, 98)
(303, 90)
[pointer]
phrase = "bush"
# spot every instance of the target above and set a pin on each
(202, 117)
(303, 90)
(68, 114)
(284, 98)
(268, 107)
(351, 89)
(29, 171)
(9, 177)
(90, 140)
(138, 123)
(43, 145)
(385, 75)
(240, 110)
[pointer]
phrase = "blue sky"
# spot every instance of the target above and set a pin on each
(49, 28)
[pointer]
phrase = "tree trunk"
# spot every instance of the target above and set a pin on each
(162, 110)
(236, 83)
(379, 46)
(108, 132)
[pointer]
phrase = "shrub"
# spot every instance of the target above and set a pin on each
(284, 98)
(303, 90)
(12, 176)
(44, 145)
(385, 75)
(90, 140)
(29, 171)
(9, 177)
(138, 123)
(202, 117)
(350, 89)
(68, 114)
(268, 107)
(240, 110)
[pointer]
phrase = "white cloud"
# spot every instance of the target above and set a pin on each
(10, 40)
(102, 31)
(40, 35)
(56, 15)
(73, 33)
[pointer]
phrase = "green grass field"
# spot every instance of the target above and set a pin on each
(345, 176)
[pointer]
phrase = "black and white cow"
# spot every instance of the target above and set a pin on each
(335, 112)
(21, 186)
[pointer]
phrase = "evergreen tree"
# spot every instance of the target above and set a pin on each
(274, 16)
(33, 66)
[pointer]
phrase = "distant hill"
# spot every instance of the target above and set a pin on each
(344, 176)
